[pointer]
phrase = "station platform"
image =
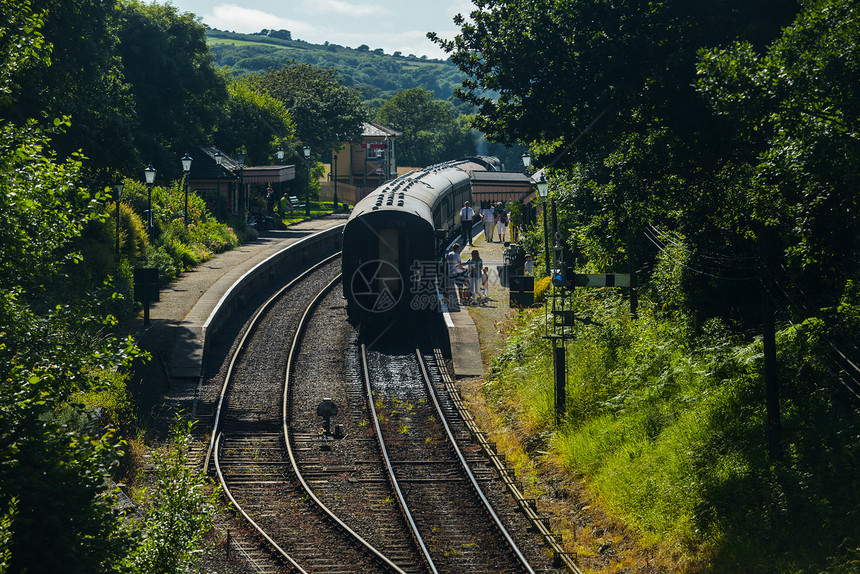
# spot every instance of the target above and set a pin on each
(463, 334)
(178, 319)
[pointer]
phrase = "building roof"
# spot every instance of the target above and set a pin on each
(371, 130)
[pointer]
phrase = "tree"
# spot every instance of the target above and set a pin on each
(178, 94)
(256, 121)
(325, 111)
(605, 89)
(430, 132)
(796, 110)
(84, 82)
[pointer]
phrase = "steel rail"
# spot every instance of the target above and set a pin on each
(216, 436)
(506, 475)
(489, 507)
(390, 468)
(241, 348)
(250, 520)
(296, 470)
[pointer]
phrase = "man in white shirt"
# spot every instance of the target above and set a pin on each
(488, 218)
(467, 214)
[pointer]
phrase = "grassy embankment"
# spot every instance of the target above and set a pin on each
(666, 427)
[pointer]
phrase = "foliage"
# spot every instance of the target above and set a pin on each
(257, 122)
(385, 74)
(22, 45)
(430, 129)
(797, 113)
(180, 510)
(671, 433)
(178, 95)
(84, 82)
(325, 111)
(176, 247)
(55, 461)
(35, 222)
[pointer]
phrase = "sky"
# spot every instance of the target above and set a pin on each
(393, 25)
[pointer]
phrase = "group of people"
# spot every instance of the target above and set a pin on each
(494, 219)
(477, 290)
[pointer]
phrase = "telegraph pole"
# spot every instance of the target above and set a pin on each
(768, 331)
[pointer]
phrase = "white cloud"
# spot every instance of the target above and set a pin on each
(245, 20)
(342, 8)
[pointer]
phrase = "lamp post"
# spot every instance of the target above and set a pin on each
(543, 191)
(186, 168)
(218, 159)
(149, 174)
(280, 154)
(241, 157)
(118, 192)
(307, 151)
(527, 162)
(334, 173)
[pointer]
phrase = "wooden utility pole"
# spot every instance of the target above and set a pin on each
(631, 270)
(768, 331)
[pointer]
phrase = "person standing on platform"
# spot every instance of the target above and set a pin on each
(502, 223)
(488, 218)
(475, 268)
(467, 214)
(455, 273)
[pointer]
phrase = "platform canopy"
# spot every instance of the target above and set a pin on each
(269, 173)
(495, 186)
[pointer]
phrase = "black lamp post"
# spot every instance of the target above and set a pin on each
(334, 173)
(186, 168)
(543, 191)
(218, 159)
(307, 151)
(149, 174)
(118, 192)
(241, 157)
(280, 154)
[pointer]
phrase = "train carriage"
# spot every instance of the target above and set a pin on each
(395, 237)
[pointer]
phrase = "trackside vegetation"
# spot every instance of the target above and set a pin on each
(666, 423)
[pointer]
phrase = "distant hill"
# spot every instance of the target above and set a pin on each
(376, 74)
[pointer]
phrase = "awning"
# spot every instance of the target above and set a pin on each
(269, 174)
(498, 186)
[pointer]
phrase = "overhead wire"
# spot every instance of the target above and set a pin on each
(790, 309)
(659, 240)
(653, 238)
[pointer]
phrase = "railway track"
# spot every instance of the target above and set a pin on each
(249, 454)
(320, 505)
(439, 484)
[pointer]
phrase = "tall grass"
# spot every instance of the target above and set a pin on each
(668, 427)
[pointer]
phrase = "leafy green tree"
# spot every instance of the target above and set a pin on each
(178, 94)
(20, 50)
(84, 82)
(255, 121)
(796, 109)
(607, 88)
(55, 460)
(430, 131)
(325, 111)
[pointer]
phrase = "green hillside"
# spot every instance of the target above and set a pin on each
(376, 74)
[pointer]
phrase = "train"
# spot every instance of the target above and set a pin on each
(395, 237)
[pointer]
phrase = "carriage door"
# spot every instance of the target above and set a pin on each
(389, 280)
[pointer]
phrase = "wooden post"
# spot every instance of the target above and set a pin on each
(768, 330)
(631, 270)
